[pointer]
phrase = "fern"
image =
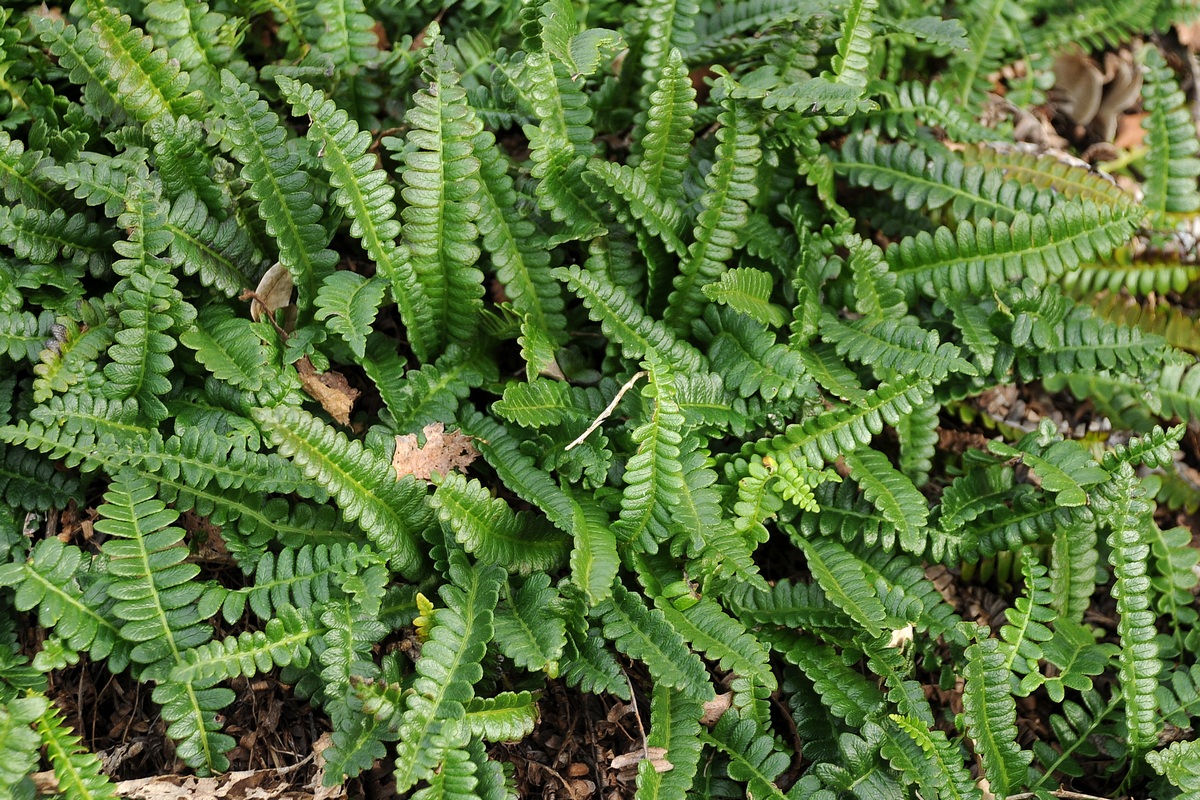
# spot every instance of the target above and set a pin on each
(441, 181)
(753, 757)
(990, 715)
(1171, 165)
(280, 185)
(646, 635)
(487, 527)
(731, 187)
(77, 771)
(391, 512)
(1122, 503)
(672, 106)
(988, 255)
(674, 726)
(446, 671)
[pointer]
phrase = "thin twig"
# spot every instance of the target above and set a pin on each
(637, 715)
(606, 413)
(1062, 793)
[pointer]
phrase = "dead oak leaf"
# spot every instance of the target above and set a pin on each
(442, 452)
(330, 389)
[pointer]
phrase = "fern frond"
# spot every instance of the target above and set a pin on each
(833, 433)
(731, 187)
(148, 83)
(841, 576)
(1180, 765)
(20, 744)
(1139, 276)
(989, 255)
(528, 630)
(446, 672)
(992, 28)
(522, 264)
(675, 727)
(790, 604)
(890, 345)
(672, 107)
(851, 63)
(1064, 467)
(441, 184)
(1045, 171)
(749, 359)
(646, 635)
(392, 512)
(182, 163)
(1025, 628)
(26, 175)
(283, 641)
(348, 303)
(627, 324)
(941, 771)
(486, 527)
(77, 770)
(1172, 162)
(990, 713)
(48, 580)
(747, 290)
(928, 175)
(753, 759)
(898, 500)
(560, 144)
(1073, 560)
(195, 35)
(1119, 503)
(635, 201)
(43, 237)
(280, 184)
(222, 254)
(507, 717)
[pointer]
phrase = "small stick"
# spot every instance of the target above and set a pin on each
(638, 716)
(606, 413)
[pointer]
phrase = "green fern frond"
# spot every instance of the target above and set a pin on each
(528, 630)
(627, 324)
(229, 348)
(20, 744)
(446, 672)
(391, 512)
(441, 185)
(281, 186)
(1025, 628)
(844, 581)
(731, 187)
(347, 303)
(48, 580)
(26, 175)
(1046, 171)
(364, 192)
(1172, 163)
(78, 52)
(747, 290)
(486, 527)
(282, 642)
(1073, 560)
(990, 713)
(182, 163)
(43, 237)
(197, 37)
(890, 491)
(992, 28)
(635, 201)
(1180, 765)
(833, 433)
(940, 763)
(753, 759)
(1064, 468)
(675, 727)
(98, 182)
(989, 255)
(749, 358)
(522, 265)
(852, 62)
(78, 771)
(1119, 503)
(222, 254)
(507, 717)
(148, 84)
(1139, 276)
(890, 345)
(560, 144)
(928, 175)
(646, 635)
(672, 107)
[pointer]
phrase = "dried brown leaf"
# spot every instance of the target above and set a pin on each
(442, 452)
(330, 389)
(657, 756)
(274, 291)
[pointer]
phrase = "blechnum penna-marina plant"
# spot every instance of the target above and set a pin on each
(702, 284)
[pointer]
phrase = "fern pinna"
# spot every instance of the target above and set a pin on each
(699, 354)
